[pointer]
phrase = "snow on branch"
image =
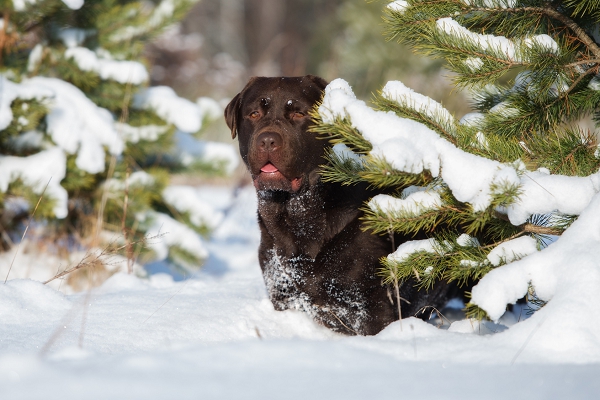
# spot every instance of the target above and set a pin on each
(513, 51)
(192, 150)
(411, 147)
(11, 91)
(185, 199)
(78, 125)
(567, 268)
(184, 114)
(398, 6)
(172, 234)
(492, 3)
(408, 98)
(415, 203)
(21, 5)
(406, 249)
(47, 167)
(161, 14)
(75, 123)
(120, 71)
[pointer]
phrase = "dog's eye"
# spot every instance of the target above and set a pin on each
(254, 114)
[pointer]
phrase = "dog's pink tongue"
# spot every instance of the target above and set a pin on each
(269, 168)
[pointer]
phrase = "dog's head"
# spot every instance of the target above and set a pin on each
(271, 118)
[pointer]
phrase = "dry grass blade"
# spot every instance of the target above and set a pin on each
(128, 244)
(168, 300)
(104, 199)
(66, 320)
(100, 258)
(533, 331)
(26, 229)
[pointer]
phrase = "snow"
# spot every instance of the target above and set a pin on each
(78, 125)
(412, 147)
(210, 109)
(28, 140)
(544, 193)
(186, 199)
(465, 240)
(511, 49)
(139, 338)
(43, 170)
(73, 37)
(499, 43)
(398, 6)
(344, 153)
(407, 248)
(164, 232)
(471, 119)
(182, 113)
(511, 250)
(544, 41)
(474, 63)
(121, 71)
(11, 91)
(134, 134)
(595, 83)
(494, 3)
(397, 91)
(35, 57)
(75, 123)
(141, 178)
(160, 14)
(191, 150)
(416, 203)
(74, 4)
(21, 5)
(567, 273)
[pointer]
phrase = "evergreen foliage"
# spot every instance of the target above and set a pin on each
(532, 70)
(91, 50)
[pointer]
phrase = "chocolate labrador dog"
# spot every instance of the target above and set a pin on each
(313, 253)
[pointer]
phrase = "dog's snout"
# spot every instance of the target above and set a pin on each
(269, 141)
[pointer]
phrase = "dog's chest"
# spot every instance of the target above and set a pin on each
(292, 283)
(301, 216)
(286, 281)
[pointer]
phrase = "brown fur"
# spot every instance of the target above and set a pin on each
(313, 253)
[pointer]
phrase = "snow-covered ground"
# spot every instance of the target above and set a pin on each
(215, 335)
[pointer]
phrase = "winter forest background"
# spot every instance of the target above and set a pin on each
(128, 229)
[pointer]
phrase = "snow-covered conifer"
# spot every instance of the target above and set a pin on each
(79, 124)
(498, 184)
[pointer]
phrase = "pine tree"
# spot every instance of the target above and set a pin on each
(500, 183)
(81, 130)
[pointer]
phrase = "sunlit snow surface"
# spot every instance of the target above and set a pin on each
(216, 335)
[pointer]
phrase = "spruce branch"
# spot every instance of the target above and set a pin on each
(550, 12)
(575, 83)
(583, 62)
(579, 32)
(475, 312)
(404, 109)
(340, 131)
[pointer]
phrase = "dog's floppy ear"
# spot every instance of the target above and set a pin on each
(232, 111)
(321, 83)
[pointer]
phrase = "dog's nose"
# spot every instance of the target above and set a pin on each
(269, 141)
